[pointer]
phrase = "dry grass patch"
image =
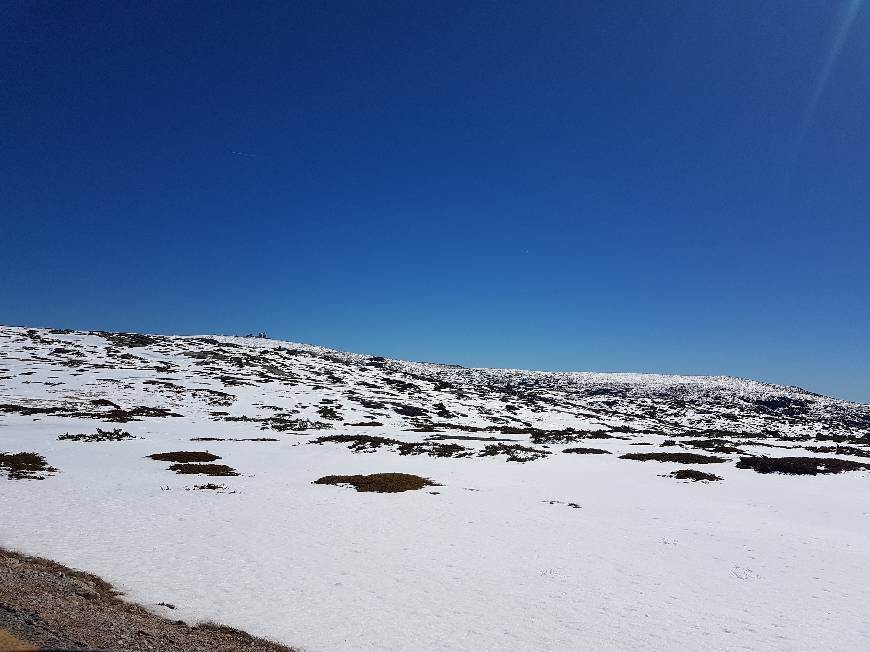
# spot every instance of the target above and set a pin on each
(101, 435)
(800, 465)
(25, 466)
(185, 456)
(379, 482)
(679, 458)
(514, 452)
(204, 469)
(693, 475)
(840, 450)
(586, 451)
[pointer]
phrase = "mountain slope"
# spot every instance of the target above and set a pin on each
(560, 520)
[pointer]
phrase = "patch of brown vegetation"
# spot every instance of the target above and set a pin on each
(693, 475)
(101, 435)
(379, 482)
(714, 445)
(800, 465)
(586, 451)
(433, 449)
(514, 452)
(328, 412)
(123, 416)
(280, 422)
(371, 443)
(679, 458)
(233, 439)
(131, 340)
(87, 411)
(840, 450)
(204, 469)
(358, 443)
(465, 438)
(25, 466)
(185, 456)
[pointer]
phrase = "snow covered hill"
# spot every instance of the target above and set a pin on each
(568, 510)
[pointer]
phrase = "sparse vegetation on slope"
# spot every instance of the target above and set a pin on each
(379, 482)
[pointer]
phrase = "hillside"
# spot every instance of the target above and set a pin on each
(562, 510)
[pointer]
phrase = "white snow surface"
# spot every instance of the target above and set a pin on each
(494, 558)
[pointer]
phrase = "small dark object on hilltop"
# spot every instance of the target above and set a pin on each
(185, 456)
(379, 482)
(799, 465)
(679, 458)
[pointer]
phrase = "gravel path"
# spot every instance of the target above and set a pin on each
(52, 606)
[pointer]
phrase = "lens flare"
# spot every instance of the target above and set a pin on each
(847, 17)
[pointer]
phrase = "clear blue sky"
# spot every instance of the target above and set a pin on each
(680, 187)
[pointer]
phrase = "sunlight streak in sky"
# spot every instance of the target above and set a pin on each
(847, 17)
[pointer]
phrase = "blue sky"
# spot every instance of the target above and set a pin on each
(680, 187)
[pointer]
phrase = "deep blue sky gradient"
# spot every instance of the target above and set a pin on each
(611, 186)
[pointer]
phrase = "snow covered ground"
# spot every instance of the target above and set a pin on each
(563, 551)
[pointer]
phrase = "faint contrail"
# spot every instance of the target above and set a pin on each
(850, 10)
(232, 151)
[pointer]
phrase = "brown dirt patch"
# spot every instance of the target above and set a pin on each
(54, 607)
(10, 643)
